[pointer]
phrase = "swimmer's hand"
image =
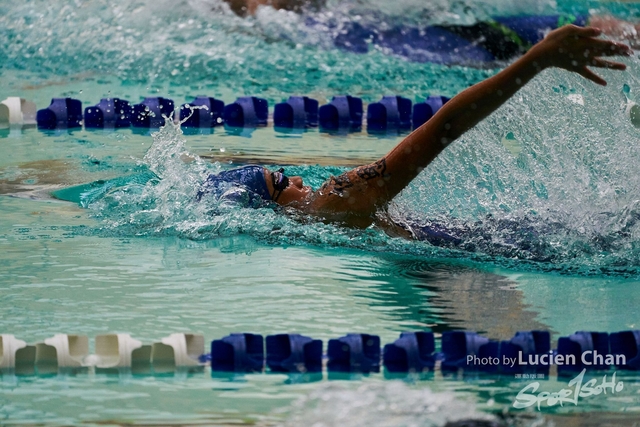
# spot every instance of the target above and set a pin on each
(575, 49)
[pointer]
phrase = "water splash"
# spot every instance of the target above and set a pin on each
(201, 45)
(169, 206)
(567, 202)
(569, 197)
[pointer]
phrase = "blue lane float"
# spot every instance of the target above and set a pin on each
(148, 114)
(238, 353)
(354, 353)
(412, 352)
(109, 113)
(62, 113)
(459, 347)
(247, 111)
(582, 350)
(202, 117)
(532, 347)
(390, 112)
(423, 111)
(293, 353)
(298, 112)
(626, 343)
(488, 358)
(341, 112)
(472, 352)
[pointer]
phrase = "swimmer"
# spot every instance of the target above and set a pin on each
(501, 38)
(359, 197)
(355, 197)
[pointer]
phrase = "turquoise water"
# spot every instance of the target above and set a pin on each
(546, 191)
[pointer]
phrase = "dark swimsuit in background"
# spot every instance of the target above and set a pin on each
(502, 39)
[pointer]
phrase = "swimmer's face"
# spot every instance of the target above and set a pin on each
(286, 190)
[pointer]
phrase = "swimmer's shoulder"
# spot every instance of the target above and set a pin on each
(349, 198)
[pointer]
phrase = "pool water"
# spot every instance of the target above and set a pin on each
(546, 191)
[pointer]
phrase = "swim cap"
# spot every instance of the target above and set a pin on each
(250, 177)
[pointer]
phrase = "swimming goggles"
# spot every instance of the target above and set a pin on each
(279, 181)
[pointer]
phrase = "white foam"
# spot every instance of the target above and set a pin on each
(380, 404)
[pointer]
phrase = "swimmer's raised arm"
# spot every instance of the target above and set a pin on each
(363, 190)
(571, 48)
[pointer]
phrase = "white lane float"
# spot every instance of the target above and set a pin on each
(17, 112)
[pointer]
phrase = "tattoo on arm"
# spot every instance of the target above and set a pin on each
(340, 183)
(373, 170)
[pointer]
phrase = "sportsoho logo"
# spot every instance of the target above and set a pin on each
(577, 388)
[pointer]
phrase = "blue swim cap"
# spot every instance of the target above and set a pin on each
(249, 177)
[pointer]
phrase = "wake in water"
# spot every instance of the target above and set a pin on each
(171, 204)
